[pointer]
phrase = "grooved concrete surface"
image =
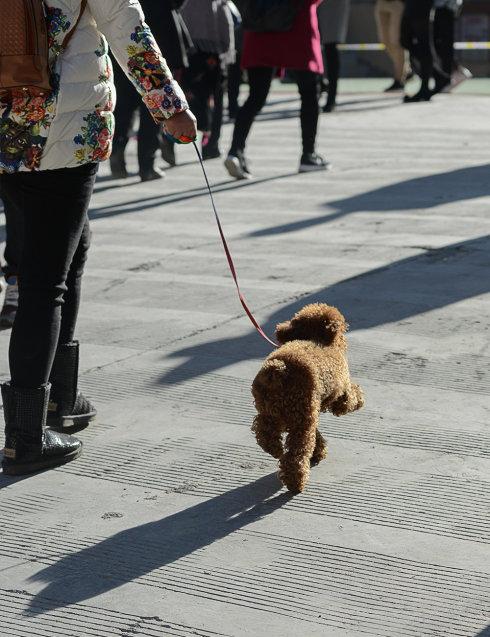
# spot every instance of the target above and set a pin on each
(173, 522)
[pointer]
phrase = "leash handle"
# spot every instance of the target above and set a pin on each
(229, 257)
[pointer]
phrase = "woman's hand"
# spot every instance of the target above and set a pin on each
(182, 125)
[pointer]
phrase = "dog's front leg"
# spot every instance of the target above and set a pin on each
(320, 451)
(351, 400)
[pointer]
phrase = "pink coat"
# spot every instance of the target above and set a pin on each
(298, 49)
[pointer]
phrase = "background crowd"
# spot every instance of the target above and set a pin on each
(213, 46)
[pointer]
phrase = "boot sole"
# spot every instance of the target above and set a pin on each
(70, 424)
(12, 468)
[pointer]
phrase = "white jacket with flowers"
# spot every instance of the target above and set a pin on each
(74, 124)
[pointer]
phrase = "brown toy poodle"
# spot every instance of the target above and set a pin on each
(307, 374)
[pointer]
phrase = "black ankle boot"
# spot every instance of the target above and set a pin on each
(29, 446)
(68, 408)
(118, 164)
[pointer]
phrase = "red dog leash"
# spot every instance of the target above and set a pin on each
(229, 257)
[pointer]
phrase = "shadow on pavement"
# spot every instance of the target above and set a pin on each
(271, 115)
(191, 193)
(8, 481)
(136, 552)
(389, 294)
(412, 194)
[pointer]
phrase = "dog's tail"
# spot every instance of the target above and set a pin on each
(275, 371)
(270, 379)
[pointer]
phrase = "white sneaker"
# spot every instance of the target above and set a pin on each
(459, 76)
(237, 167)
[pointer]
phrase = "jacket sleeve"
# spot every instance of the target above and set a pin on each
(135, 49)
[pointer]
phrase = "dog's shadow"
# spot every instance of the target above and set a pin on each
(137, 551)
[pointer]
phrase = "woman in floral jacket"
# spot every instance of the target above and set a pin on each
(50, 148)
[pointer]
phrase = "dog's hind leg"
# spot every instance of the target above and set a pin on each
(300, 445)
(268, 434)
(320, 451)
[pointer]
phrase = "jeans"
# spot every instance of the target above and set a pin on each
(52, 206)
(260, 80)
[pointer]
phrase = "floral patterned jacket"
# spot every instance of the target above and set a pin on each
(74, 124)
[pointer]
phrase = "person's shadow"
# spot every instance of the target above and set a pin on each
(388, 294)
(413, 194)
(135, 552)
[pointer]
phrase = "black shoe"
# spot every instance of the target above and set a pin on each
(441, 86)
(29, 446)
(167, 149)
(151, 174)
(329, 107)
(210, 151)
(118, 165)
(395, 87)
(421, 96)
(68, 408)
(311, 162)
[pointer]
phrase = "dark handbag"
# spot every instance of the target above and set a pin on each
(269, 15)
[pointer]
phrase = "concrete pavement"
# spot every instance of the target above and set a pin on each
(173, 522)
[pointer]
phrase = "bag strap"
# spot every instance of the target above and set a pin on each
(71, 33)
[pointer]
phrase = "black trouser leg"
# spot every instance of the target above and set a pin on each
(444, 21)
(217, 115)
(259, 79)
(332, 63)
(54, 206)
(199, 84)
(127, 102)
(14, 234)
(309, 89)
(148, 140)
(234, 82)
(418, 16)
(73, 294)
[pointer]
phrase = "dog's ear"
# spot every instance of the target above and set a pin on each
(334, 324)
(333, 328)
(285, 332)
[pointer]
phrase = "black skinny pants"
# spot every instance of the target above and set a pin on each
(52, 205)
(332, 69)
(444, 23)
(416, 37)
(204, 80)
(260, 80)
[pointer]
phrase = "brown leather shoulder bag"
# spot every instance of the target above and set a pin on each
(24, 49)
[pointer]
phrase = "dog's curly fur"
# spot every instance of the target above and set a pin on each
(307, 374)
